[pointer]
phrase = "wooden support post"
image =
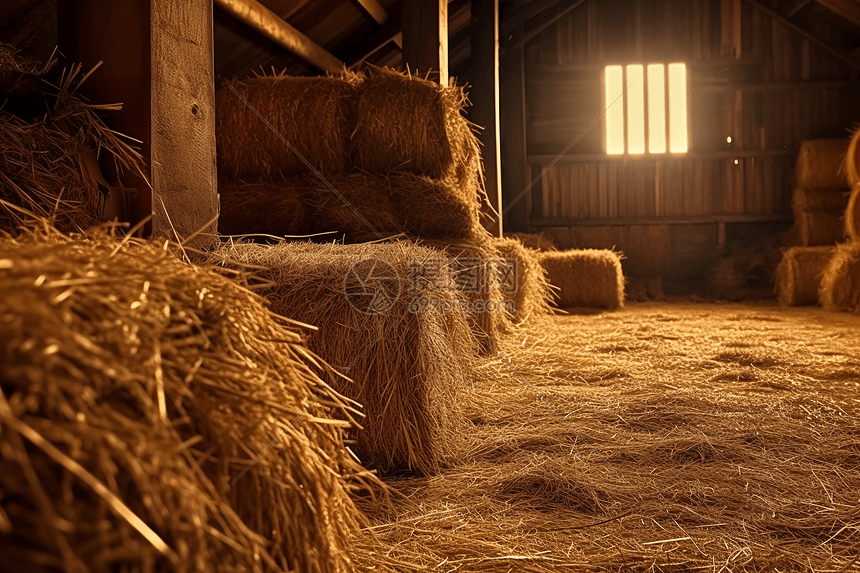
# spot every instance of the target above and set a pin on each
(485, 97)
(513, 141)
(158, 63)
(425, 37)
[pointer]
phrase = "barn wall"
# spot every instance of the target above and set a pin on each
(749, 77)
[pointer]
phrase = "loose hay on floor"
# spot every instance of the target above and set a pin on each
(130, 378)
(682, 437)
(585, 278)
(840, 284)
(799, 275)
(314, 114)
(532, 294)
(407, 365)
(819, 164)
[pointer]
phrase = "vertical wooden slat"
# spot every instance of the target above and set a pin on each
(425, 37)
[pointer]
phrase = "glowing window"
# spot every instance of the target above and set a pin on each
(653, 96)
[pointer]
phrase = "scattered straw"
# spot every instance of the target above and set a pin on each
(407, 364)
(798, 277)
(840, 285)
(819, 164)
(136, 377)
(585, 278)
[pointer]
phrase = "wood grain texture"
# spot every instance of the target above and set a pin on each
(185, 198)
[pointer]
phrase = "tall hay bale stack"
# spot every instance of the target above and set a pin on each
(585, 278)
(799, 274)
(851, 165)
(150, 382)
(819, 164)
(840, 284)
(531, 293)
(269, 208)
(315, 115)
(819, 228)
(405, 123)
(536, 241)
(406, 364)
(852, 215)
(832, 200)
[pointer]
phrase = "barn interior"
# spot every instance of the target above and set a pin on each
(429, 285)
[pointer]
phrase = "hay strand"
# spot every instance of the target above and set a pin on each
(799, 275)
(852, 215)
(851, 165)
(537, 241)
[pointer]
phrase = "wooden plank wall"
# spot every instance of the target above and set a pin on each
(749, 76)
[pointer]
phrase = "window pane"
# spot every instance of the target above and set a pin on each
(677, 108)
(635, 109)
(656, 108)
(614, 110)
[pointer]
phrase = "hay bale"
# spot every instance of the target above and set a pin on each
(406, 123)
(531, 291)
(819, 164)
(851, 165)
(840, 284)
(585, 278)
(852, 215)
(267, 208)
(537, 241)
(407, 364)
(804, 200)
(159, 382)
(819, 228)
(798, 276)
(472, 265)
(314, 114)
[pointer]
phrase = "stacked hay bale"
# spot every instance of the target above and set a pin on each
(381, 313)
(585, 278)
(385, 154)
(50, 140)
(840, 284)
(799, 274)
(821, 192)
(523, 279)
(138, 395)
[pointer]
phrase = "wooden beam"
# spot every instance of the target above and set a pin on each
(603, 158)
(377, 40)
(812, 38)
(158, 63)
(184, 182)
(485, 99)
(375, 10)
(532, 33)
(425, 37)
(848, 9)
(646, 221)
(794, 7)
(269, 24)
(515, 169)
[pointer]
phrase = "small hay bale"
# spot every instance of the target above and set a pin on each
(851, 165)
(585, 278)
(406, 364)
(531, 293)
(267, 208)
(314, 114)
(852, 215)
(804, 200)
(819, 228)
(162, 381)
(537, 241)
(798, 277)
(819, 164)
(406, 123)
(840, 284)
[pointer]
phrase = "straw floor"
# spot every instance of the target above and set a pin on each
(707, 437)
